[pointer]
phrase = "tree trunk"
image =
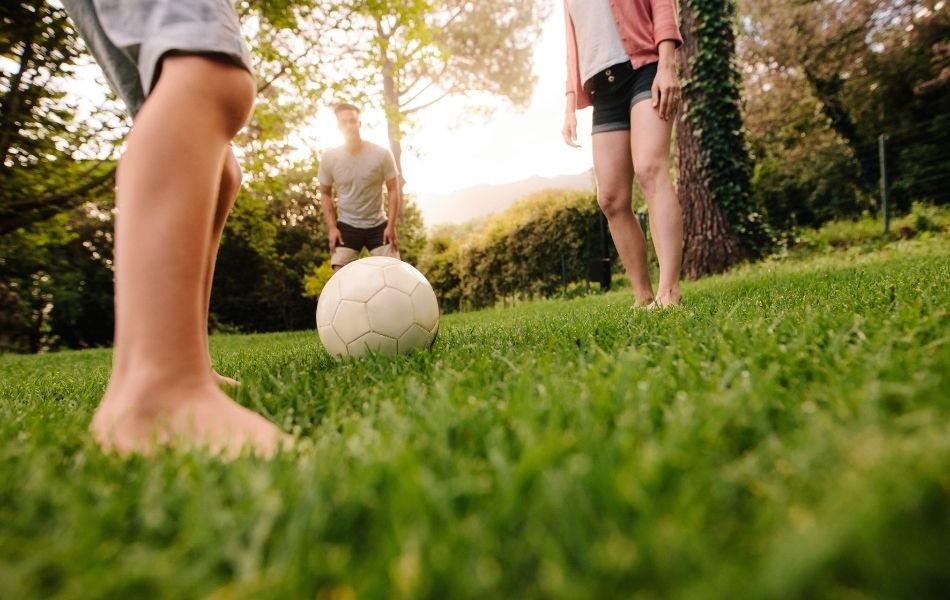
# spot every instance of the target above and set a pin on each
(392, 109)
(11, 100)
(709, 243)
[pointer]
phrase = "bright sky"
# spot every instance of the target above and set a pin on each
(455, 153)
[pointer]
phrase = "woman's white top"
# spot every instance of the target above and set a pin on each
(598, 41)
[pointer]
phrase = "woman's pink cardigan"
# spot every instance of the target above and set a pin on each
(642, 24)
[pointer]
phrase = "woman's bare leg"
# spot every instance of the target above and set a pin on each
(650, 147)
(613, 169)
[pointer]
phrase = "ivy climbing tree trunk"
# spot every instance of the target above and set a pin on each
(709, 244)
(720, 224)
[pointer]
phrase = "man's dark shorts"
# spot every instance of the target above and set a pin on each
(614, 99)
(357, 238)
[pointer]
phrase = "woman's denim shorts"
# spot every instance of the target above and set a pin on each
(613, 99)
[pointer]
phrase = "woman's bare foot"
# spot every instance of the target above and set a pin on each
(645, 302)
(669, 300)
(138, 418)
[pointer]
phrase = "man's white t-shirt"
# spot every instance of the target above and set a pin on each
(598, 41)
(358, 180)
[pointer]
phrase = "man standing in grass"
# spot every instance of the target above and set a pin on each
(357, 171)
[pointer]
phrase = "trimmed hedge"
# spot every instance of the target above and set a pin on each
(536, 248)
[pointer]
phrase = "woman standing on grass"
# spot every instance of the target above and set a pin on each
(620, 55)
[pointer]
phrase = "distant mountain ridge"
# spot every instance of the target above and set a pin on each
(481, 200)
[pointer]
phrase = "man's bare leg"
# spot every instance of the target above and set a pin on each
(162, 390)
(650, 147)
(613, 169)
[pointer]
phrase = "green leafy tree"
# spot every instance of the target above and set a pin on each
(56, 154)
(60, 270)
(411, 55)
(864, 68)
(12, 323)
(292, 55)
(909, 103)
(819, 42)
(40, 135)
(412, 234)
(273, 240)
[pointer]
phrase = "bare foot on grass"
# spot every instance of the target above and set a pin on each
(225, 381)
(140, 419)
(661, 302)
(671, 300)
(643, 302)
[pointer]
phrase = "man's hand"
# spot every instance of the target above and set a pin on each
(336, 239)
(389, 237)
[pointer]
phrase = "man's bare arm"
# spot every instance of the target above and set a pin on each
(395, 205)
(395, 199)
(334, 237)
(326, 203)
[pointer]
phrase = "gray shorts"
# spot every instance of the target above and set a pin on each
(128, 38)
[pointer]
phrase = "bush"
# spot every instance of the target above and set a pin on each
(58, 277)
(808, 184)
(869, 230)
(538, 247)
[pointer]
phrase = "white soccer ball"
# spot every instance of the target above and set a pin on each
(377, 304)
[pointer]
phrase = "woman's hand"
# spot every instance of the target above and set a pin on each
(569, 131)
(666, 90)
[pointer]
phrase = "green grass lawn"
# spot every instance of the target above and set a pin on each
(785, 434)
